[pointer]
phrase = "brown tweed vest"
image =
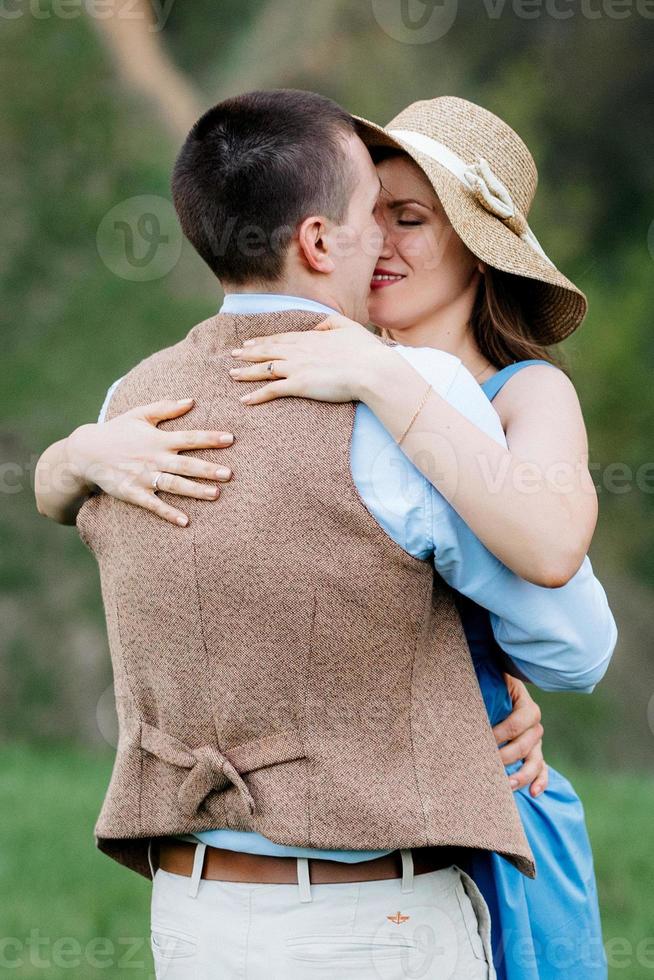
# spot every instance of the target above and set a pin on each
(281, 664)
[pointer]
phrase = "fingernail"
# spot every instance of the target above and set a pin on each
(184, 401)
(513, 782)
(223, 471)
(182, 521)
(226, 440)
(234, 371)
(237, 351)
(245, 398)
(249, 343)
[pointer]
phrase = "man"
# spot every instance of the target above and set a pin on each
(292, 683)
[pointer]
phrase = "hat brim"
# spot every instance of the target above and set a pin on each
(556, 307)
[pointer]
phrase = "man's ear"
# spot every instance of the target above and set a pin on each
(313, 244)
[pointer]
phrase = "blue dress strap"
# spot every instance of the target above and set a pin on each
(497, 382)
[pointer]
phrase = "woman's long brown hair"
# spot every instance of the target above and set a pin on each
(500, 324)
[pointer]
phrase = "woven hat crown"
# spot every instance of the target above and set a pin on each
(471, 132)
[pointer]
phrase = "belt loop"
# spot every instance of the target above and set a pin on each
(150, 858)
(198, 863)
(407, 869)
(303, 880)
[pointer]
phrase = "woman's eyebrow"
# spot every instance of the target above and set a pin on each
(409, 200)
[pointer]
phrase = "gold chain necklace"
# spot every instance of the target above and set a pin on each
(476, 376)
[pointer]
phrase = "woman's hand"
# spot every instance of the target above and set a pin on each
(330, 363)
(523, 734)
(123, 456)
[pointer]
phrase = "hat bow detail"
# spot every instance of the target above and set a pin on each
(494, 195)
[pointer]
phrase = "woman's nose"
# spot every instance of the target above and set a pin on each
(387, 242)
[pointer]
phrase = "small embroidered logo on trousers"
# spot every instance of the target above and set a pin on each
(397, 918)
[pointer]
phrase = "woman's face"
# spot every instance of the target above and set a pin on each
(430, 266)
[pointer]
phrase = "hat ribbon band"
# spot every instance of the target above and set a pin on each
(479, 179)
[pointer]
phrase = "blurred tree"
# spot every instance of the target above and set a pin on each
(144, 64)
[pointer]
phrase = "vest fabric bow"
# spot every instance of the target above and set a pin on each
(210, 769)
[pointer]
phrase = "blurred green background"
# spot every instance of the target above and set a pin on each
(94, 110)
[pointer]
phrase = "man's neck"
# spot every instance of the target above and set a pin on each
(300, 290)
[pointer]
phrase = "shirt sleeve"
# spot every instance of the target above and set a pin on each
(569, 642)
(107, 399)
(560, 639)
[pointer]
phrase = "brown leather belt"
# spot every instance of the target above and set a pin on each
(176, 856)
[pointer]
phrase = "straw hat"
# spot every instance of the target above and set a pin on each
(485, 178)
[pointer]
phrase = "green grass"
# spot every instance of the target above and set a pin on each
(80, 915)
(619, 812)
(64, 904)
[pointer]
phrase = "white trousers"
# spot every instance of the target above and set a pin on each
(432, 926)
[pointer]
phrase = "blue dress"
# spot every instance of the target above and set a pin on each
(546, 928)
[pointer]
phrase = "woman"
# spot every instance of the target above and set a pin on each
(460, 270)
(436, 287)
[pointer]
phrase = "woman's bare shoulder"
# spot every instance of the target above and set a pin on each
(537, 389)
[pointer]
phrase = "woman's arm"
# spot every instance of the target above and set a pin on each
(532, 502)
(121, 457)
(59, 486)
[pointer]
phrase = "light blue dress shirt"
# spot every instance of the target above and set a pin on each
(560, 639)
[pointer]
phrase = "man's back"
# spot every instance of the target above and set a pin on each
(283, 636)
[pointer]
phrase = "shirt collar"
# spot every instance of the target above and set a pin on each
(245, 303)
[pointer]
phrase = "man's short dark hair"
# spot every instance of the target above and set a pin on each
(251, 169)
